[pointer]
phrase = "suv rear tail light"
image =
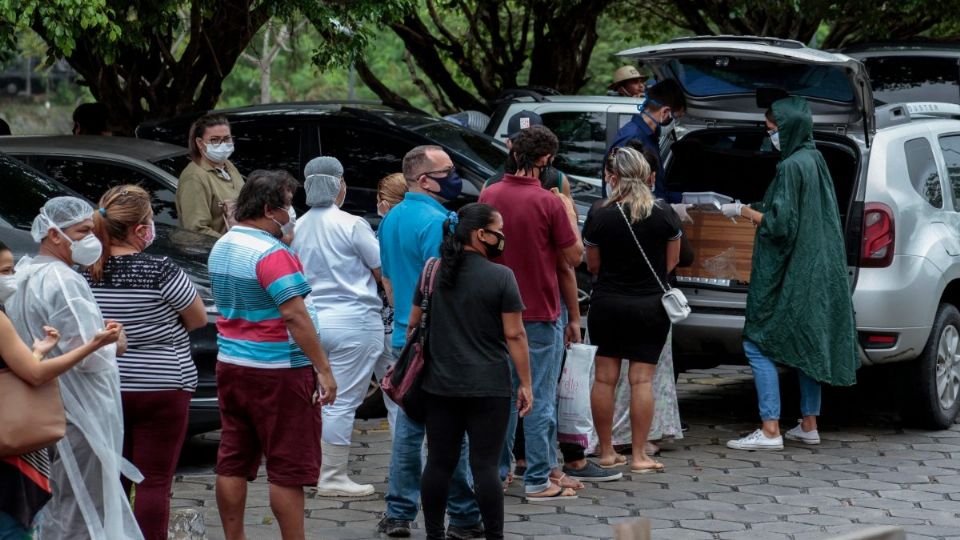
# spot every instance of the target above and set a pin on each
(878, 236)
(873, 340)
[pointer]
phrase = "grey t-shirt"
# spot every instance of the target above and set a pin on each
(468, 352)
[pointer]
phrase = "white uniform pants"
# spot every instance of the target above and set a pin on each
(352, 353)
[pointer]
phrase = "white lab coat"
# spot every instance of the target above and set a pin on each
(88, 498)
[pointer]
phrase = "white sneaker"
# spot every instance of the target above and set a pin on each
(806, 437)
(756, 441)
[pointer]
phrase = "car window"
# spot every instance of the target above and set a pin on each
(701, 77)
(913, 78)
(583, 141)
(923, 171)
(25, 191)
(266, 146)
(367, 156)
(475, 146)
(173, 164)
(950, 145)
(92, 178)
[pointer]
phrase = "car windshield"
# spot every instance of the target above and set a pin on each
(173, 164)
(476, 146)
(25, 191)
(902, 79)
(730, 75)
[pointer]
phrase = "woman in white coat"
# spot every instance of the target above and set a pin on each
(341, 259)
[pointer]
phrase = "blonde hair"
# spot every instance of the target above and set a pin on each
(392, 188)
(121, 208)
(633, 172)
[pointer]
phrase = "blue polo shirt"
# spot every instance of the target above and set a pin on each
(638, 129)
(409, 235)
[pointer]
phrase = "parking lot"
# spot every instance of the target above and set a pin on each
(869, 470)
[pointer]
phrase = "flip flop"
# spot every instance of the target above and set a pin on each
(619, 461)
(563, 494)
(570, 482)
(507, 482)
(656, 467)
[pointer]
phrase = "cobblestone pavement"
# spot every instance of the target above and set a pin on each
(869, 470)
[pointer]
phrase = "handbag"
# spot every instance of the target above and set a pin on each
(31, 417)
(673, 300)
(403, 382)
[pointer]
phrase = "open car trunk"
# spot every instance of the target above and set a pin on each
(739, 163)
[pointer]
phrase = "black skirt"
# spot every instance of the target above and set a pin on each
(631, 327)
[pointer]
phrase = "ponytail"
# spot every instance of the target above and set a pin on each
(457, 230)
(632, 171)
(120, 208)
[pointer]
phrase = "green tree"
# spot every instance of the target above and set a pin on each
(162, 58)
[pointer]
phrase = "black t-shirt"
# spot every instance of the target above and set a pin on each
(468, 352)
(622, 268)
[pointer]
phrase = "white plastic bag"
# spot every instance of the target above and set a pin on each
(575, 417)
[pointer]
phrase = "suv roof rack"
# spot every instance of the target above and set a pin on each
(772, 41)
(903, 113)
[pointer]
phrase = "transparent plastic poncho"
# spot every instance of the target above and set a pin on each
(88, 498)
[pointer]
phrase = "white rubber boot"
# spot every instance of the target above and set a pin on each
(334, 481)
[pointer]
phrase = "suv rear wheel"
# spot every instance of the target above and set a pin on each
(936, 398)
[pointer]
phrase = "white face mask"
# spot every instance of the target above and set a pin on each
(85, 251)
(775, 139)
(218, 153)
(287, 228)
(8, 286)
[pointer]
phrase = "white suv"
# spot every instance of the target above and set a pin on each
(897, 176)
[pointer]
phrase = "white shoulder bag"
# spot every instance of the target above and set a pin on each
(674, 302)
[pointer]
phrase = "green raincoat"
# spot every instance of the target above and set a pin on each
(799, 310)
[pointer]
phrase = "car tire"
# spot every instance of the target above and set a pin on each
(936, 374)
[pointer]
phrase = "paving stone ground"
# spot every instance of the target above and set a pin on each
(869, 470)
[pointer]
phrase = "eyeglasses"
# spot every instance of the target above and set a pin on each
(220, 140)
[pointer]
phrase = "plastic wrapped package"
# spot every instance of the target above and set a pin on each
(88, 498)
(722, 265)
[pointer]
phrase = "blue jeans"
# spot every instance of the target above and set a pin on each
(406, 467)
(767, 380)
(545, 341)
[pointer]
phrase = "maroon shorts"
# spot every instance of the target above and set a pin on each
(269, 412)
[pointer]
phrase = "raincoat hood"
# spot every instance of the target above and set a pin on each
(794, 123)
(799, 310)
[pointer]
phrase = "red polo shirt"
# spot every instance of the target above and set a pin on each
(536, 228)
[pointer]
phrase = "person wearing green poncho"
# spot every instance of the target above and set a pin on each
(799, 310)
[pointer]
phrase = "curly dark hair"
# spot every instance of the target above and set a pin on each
(264, 188)
(532, 144)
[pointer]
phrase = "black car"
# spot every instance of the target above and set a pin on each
(25, 192)
(911, 72)
(370, 141)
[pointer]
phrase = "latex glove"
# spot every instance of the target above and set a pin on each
(732, 210)
(681, 210)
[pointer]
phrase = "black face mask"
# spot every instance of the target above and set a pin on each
(494, 250)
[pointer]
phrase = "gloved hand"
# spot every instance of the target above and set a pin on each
(681, 210)
(732, 210)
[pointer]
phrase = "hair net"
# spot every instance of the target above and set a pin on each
(322, 183)
(60, 212)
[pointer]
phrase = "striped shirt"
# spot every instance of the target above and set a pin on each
(146, 293)
(251, 275)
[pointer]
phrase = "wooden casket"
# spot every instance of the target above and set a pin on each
(723, 249)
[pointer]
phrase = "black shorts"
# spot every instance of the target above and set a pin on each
(631, 327)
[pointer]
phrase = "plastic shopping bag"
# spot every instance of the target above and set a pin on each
(575, 418)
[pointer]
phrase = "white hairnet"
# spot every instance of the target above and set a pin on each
(322, 189)
(322, 180)
(60, 212)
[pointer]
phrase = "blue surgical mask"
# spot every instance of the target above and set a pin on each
(450, 185)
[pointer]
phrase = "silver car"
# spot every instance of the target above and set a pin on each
(90, 164)
(896, 171)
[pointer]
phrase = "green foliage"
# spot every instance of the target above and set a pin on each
(63, 20)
